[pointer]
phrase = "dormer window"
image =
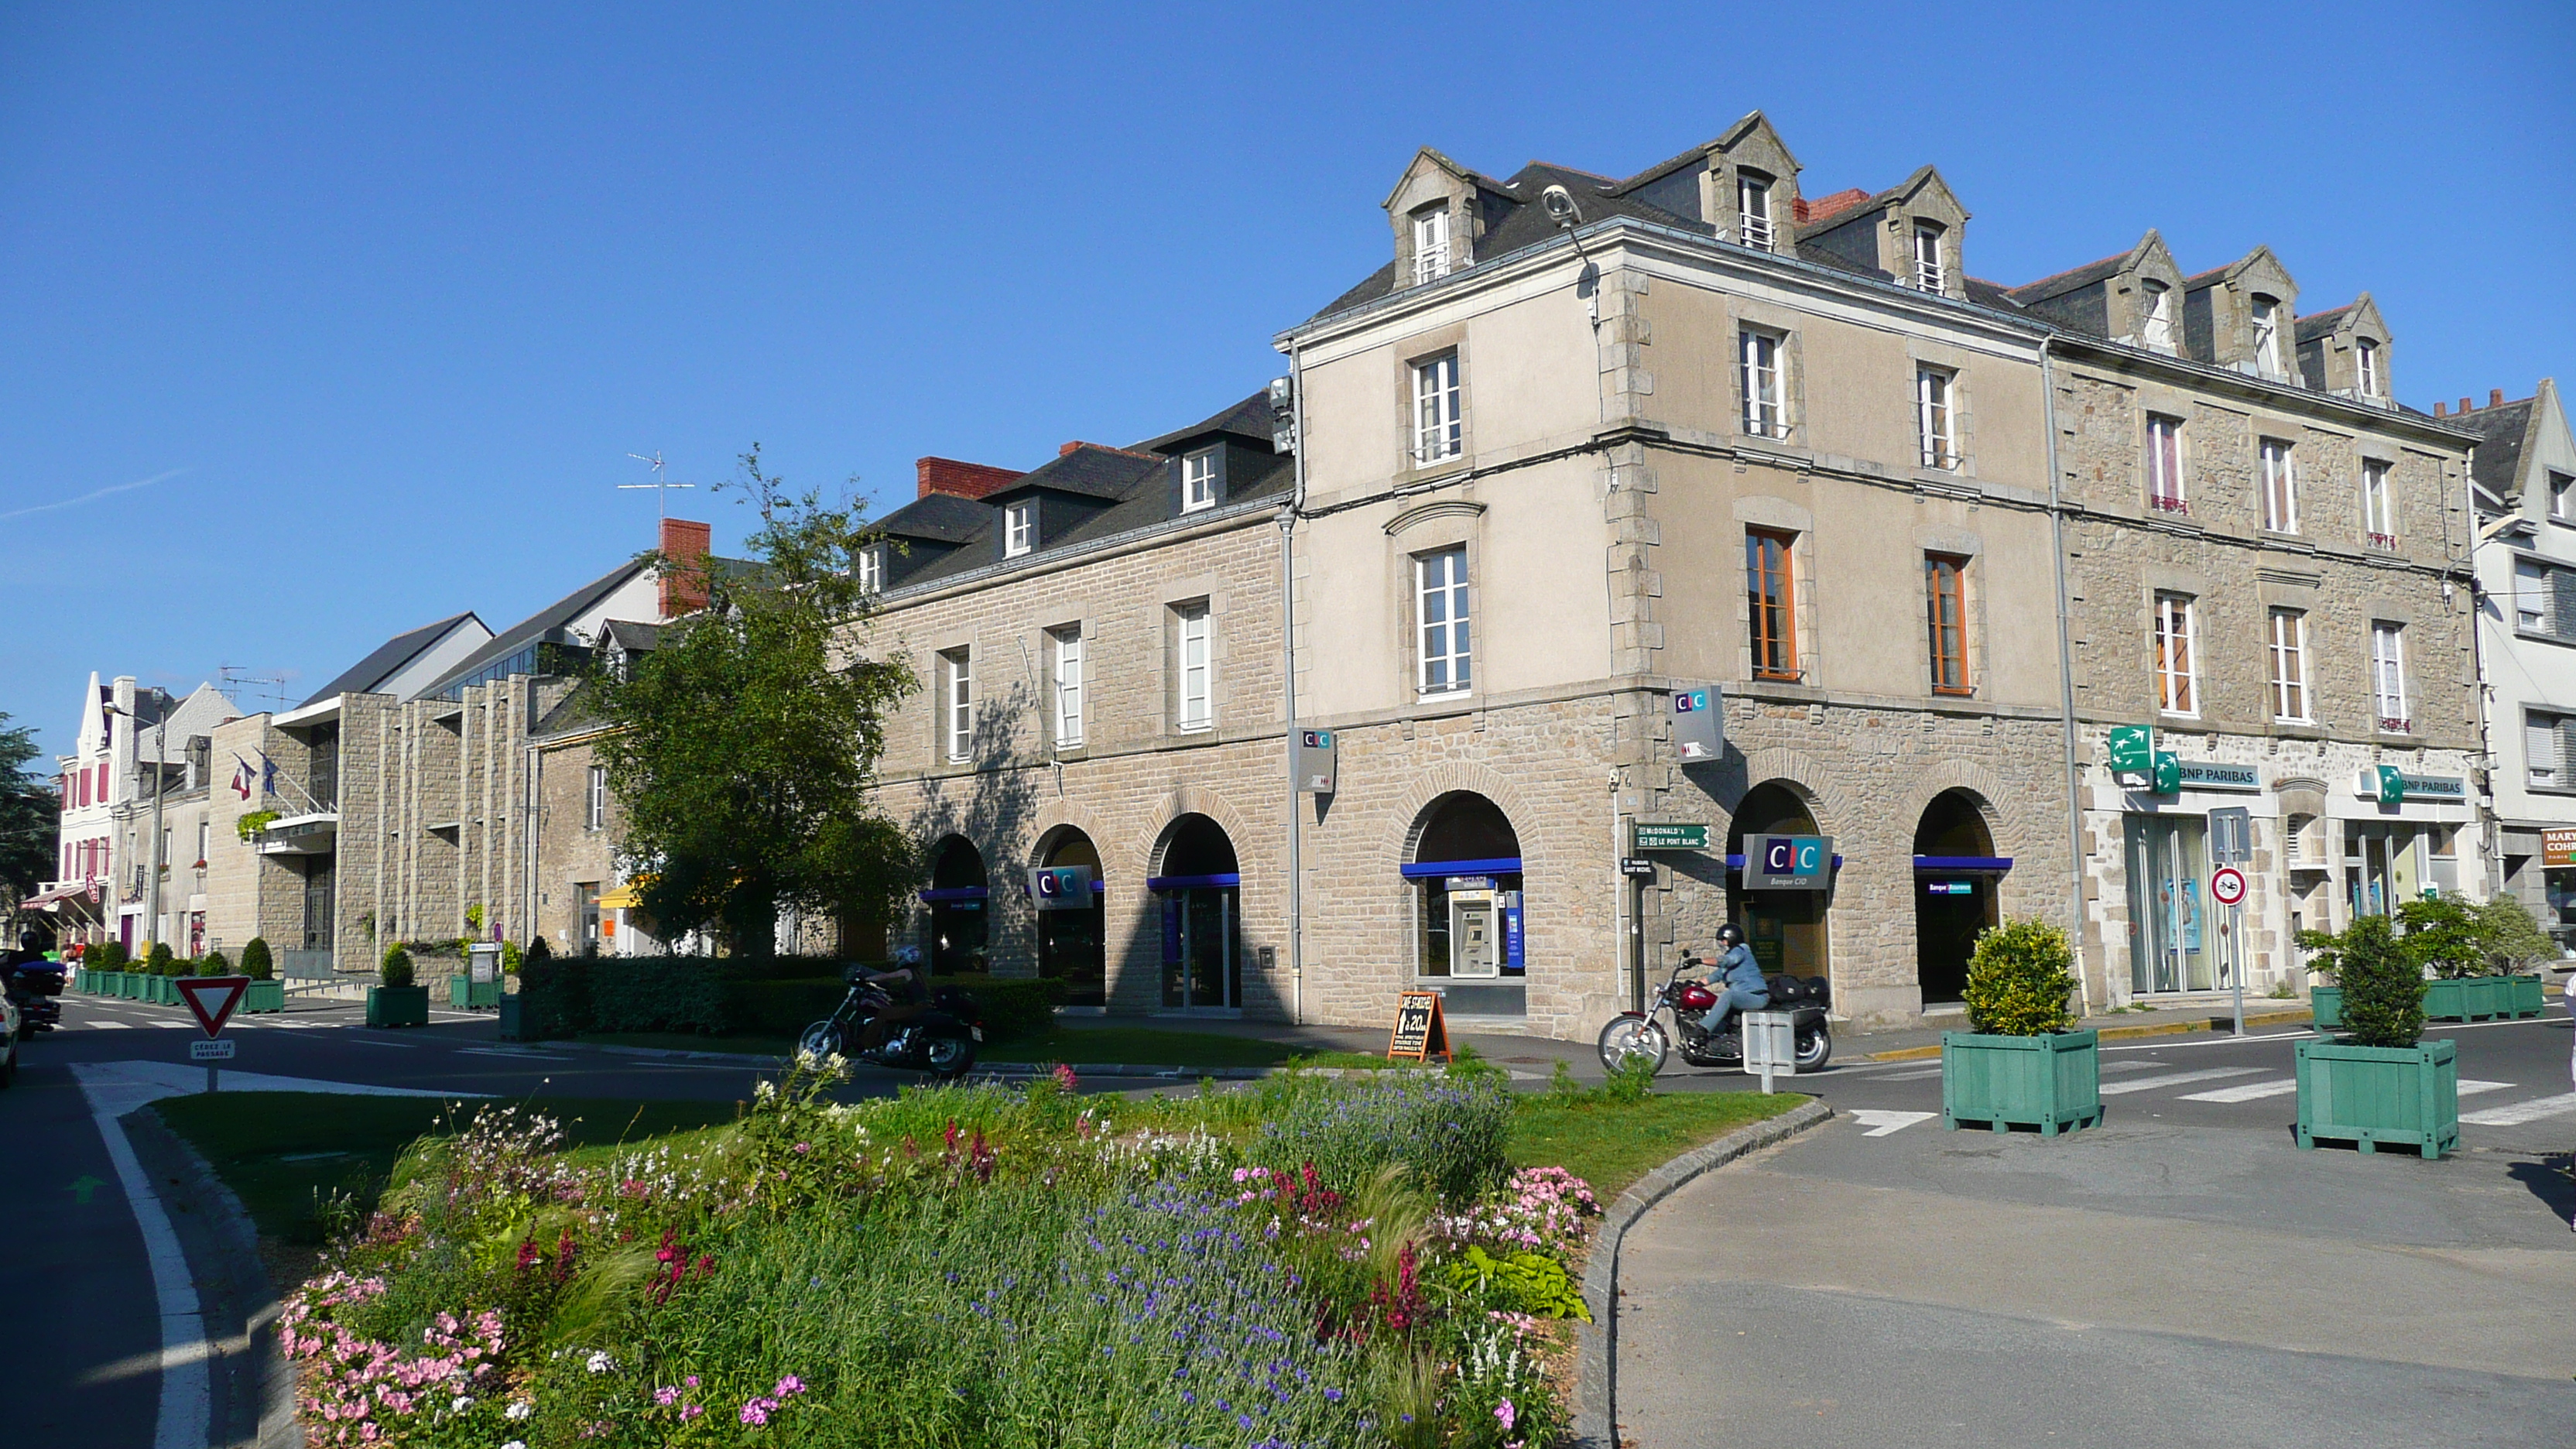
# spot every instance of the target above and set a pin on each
(872, 569)
(1431, 245)
(1753, 209)
(2155, 314)
(2267, 334)
(1019, 528)
(1929, 274)
(2365, 359)
(1198, 481)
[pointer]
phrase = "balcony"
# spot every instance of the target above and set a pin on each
(317, 833)
(2396, 724)
(2384, 542)
(2169, 503)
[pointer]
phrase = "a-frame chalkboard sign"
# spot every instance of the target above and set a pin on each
(1420, 1031)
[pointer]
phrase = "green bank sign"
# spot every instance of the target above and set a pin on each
(2390, 785)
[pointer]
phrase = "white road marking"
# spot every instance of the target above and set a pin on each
(1911, 1076)
(2176, 1079)
(187, 1389)
(111, 1025)
(2468, 1087)
(2251, 1091)
(2520, 1112)
(1881, 1123)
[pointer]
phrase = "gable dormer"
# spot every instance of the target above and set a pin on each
(2239, 316)
(1439, 214)
(1915, 233)
(2135, 297)
(1748, 187)
(2345, 352)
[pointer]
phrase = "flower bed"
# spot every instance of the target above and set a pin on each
(1311, 1263)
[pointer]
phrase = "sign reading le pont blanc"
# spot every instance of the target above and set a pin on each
(1788, 862)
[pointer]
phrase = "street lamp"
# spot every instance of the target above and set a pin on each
(160, 742)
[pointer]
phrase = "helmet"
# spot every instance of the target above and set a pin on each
(1730, 934)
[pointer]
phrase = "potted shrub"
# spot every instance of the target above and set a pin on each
(265, 993)
(2021, 1066)
(2379, 1085)
(397, 1002)
(530, 966)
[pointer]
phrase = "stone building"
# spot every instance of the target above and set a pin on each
(2526, 564)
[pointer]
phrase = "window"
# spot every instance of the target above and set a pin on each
(2378, 504)
(1190, 644)
(2155, 314)
(2177, 663)
(1438, 432)
(594, 804)
(2365, 361)
(2267, 334)
(957, 703)
(1440, 595)
(1763, 415)
(1019, 528)
(2290, 666)
(1198, 481)
(1932, 405)
(2533, 598)
(872, 568)
(1431, 246)
(1928, 272)
(1753, 208)
(2549, 750)
(2562, 497)
(1771, 603)
(1068, 686)
(2280, 488)
(205, 837)
(1945, 605)
(2164, 464)
(2388, 678)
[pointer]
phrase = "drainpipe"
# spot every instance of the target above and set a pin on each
(1288, 685)
(2066, 684)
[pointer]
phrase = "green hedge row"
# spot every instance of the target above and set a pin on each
(566, 996)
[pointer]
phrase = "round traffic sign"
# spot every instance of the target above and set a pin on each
(2227, 885)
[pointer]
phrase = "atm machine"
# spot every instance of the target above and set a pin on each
(1475, 933)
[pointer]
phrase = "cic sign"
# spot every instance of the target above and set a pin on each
(1788, 862)
(1061, 887)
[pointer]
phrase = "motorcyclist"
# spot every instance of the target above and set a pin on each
(1737, 979)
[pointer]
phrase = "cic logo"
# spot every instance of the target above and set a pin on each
(1793, 855)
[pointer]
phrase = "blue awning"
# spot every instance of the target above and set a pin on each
(952, 893)
(1193, 882)
(1997, 863)
(1434, 869)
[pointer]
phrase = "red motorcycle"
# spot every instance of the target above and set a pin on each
(1640, 1034)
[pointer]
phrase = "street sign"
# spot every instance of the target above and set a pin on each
(1787, 862)
(217, 1050)
(1770, 1045)
(2227, 886)
(1642, 869)
(212, 998)
(1664, 835)
(2231, 835)
(2558, 847)
(1699, 725)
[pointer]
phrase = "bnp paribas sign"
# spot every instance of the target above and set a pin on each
(2390, 785)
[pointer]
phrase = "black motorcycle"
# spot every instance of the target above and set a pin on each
(36, 987)
(872, 1025)
(1639, 1034)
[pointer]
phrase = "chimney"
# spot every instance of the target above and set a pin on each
(2441, 410)
(685, 544)
(2495, 397)
(2464, 406)
(959, 480)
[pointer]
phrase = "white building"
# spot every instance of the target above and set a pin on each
(133, 744)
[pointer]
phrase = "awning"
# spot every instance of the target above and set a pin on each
(1937, 863)
(63, 891)
(1434, 869)
(624, 898)
(1194, 882)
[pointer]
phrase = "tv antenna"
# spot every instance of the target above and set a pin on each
(234, 677)
(660, 485)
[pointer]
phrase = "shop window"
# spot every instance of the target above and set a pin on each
(1467, 881)
(2172, 945)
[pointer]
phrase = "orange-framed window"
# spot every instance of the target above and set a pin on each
(1771, 603)
(1945, 605)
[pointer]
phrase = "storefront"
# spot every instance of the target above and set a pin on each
(1198, 892)
(2558, 885)
(1780, 882)
(957, 901)
(1465, 878)
(1073, 927)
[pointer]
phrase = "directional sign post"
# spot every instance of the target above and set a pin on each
(2227, 888)
(211, 1000)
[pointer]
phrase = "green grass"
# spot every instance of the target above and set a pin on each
(1611, 1145)
(1141, 1045)
(276, 1149)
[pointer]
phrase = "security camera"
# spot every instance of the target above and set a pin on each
(1560, 205)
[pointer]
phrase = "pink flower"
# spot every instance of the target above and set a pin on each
(666, 1397)
(756, 1413)
(690, 1411)
(789, 1387)
(1508, 1415)
(691, 1381)
(804, 1146)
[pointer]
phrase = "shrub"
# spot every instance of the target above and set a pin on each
(1012, 1005)
(159, 961)
(782, 1008)
(397, 968)
(2442, 936)
(255, 962)
(105, 956)
(1630, 1081)
(554, 994)
(216, 964)
(656, 993)
(2383, 985)
(1448, 1136)
(252, 823)
(2019, 980)
(2512, 940)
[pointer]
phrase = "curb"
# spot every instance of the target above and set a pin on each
(2130, 1033)
(757, 1061)
(1596, 1388)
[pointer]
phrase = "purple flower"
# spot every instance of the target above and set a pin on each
(790, 1386)
(1506, 1414)
(666, 1397)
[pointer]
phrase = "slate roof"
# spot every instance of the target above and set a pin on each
(631, 636)
(2320, 324)
(388, 658)
(2502, 432)
(1249, 418)
(936, 518)
(2074, 279)
(1089, 471)
(534, 628)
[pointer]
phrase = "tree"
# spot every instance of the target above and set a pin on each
(743, 747)
(2443, 936)
(2382, 981)
(29, 818)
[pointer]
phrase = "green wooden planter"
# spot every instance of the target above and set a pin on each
(509, 1006)
(2465, 998)
(262, 997)
(2380, 1096)
(465, 995)
(124, 985)
(2053, 1082)
(2524, 996)
(397, 1006)
(2327, 1001)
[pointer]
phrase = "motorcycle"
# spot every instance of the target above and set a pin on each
(34, 987)
(1639, 1034)
(870, 1025)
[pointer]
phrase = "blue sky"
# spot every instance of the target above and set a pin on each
(317, 323)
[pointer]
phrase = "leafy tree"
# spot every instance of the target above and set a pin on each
(2020, 980)
(2443, 936)
(743, 747)
(2512, 939)
(256, 963)
(30, 818)
(2382, 981)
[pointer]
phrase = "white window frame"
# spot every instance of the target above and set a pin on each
(2388, 678)
(2165, 482)
(1193, 668)
(2379, 502)
(594, 804)
(2155, 313)
(872, 569)
(2562, 496)
(1198, 481)
(1766, 410)
(1430, 245)
(2365, 362)
(2534, 604)
(1439, 429)
(2289, 650)
(2267, 333)
(1936, 413)
(1753, 211)
(1930, 274)
(2280, 485)
(1068, 686)
(2544, 734)
(1444, 624)
(2177, 642)
(1019, 527)
(957, 705)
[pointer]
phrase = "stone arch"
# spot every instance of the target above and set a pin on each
(1058, 816)
(1983, 788)
(1826, 799)
(1537, 834)
(1193, 800)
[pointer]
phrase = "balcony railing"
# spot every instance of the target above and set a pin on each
(2386, 542)
(2168, 503)
(2396, 724)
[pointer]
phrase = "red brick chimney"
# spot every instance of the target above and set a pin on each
(2495, 397)
(961, 480)
(2464, 405)
(685, 544)
(2441, 410)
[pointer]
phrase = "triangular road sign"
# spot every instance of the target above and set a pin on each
(212, 998)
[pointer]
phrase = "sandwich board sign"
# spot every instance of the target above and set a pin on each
(1420, 1030)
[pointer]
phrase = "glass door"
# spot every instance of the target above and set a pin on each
(2172, 947)
(1202, 966)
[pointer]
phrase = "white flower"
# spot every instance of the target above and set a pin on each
(600, 1362)
(516, 1444)
(520, 1410)
(461, 1404)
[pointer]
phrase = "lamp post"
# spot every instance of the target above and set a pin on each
(160, 739)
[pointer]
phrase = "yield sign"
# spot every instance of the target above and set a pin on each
(212, 998)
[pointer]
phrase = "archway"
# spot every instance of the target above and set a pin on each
(959, 928)
(1786, 927)
(1072, 940)
(1469, 904)
(1198, 883)
(1955, 874)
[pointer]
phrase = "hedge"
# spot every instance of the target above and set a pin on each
(566, 996)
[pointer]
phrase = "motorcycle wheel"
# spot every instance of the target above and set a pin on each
(1815, 1048)
(950, 1057)
(822, 1039)
(1633, 1036)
